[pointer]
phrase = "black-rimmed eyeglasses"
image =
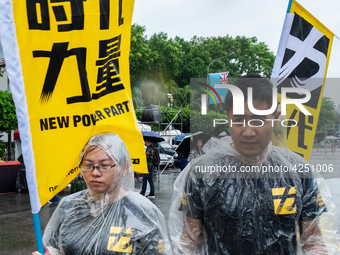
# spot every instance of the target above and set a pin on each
(90, 167)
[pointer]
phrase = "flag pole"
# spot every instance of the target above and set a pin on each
(38, 235)
(14, 72)
(289, 5)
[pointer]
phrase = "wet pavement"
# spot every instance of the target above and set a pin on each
(16, 223)
(17, 235)
(326, 162)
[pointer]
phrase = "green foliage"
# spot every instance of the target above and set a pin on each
(205, 123)
(250, 56)
(162, 65)
(8, 119)
(2, 149)
(182, 96)
(170, 113)
(328, 114)
(139, 53)
(137, 97)
(158, 59)
(171, 87)
(139, 112)
(319, 135)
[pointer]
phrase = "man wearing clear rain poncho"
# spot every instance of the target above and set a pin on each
(107, 218)
(239, 198)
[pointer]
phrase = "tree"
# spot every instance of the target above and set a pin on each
(338, 109)
(8, 119)
(182, 96)
(171, 87)
(140, 54)
(205, 123)
(167, 55)
(250, 56)
(137, 97)
(328, 116)
(167, 62)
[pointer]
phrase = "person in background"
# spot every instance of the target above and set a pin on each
(197, 150)
(150, 150)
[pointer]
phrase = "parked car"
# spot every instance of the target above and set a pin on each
(165, 158)
(169, 150)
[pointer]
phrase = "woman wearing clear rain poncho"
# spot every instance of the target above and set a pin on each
(240, 197)
(107, 218)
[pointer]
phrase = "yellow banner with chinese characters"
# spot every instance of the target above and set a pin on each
(74, 56)
(302, 62)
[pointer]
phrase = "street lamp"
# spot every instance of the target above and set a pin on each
(214, 61)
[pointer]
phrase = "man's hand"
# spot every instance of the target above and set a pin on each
(312, 240)
(191, 239)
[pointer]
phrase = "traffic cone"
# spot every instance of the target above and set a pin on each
(318, 150)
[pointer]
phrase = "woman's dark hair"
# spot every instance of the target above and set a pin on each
(196, 141)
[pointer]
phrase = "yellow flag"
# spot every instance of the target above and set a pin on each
(69, 75)
(301, 62)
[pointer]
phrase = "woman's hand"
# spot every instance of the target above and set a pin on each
(46, 251)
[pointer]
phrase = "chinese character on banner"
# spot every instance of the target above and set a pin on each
(70, 80)
(301, 62)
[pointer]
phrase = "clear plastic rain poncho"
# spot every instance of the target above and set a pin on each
(224, 203)
(116, 222)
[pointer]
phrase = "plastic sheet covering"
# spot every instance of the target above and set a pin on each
(152, 113)
(119, 221)
(218, 211)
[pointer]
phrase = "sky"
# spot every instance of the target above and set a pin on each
(262, 18)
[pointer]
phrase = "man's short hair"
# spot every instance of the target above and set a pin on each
(262, 90)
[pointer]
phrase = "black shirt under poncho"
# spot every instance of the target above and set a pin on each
(131, 225)
(251, 213)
